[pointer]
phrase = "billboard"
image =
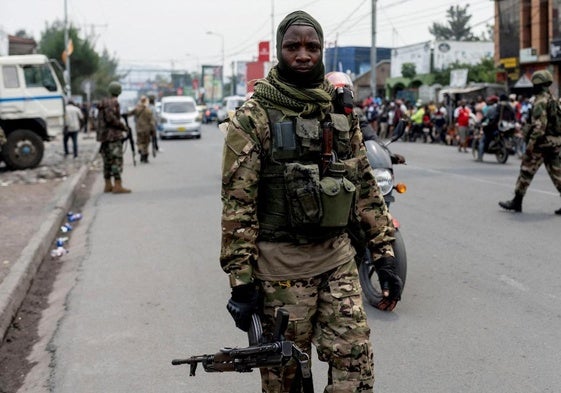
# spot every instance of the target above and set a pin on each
(264, 51)
(466, 52)
(212, 88)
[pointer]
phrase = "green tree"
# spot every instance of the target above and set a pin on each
(457, 27)
(23, 34)
(408, 70)
(105, 74)
(84, 60)
(483, 72)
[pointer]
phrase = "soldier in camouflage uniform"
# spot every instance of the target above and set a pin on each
(544, 143)
(145, 127)
(111, 132)
(286, 213)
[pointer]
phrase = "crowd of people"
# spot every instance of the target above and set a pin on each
(455, 125)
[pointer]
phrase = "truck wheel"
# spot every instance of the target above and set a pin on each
(24, 149)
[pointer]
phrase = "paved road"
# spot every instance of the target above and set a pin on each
(479, 312)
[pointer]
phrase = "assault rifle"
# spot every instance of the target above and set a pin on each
(259, 354)
(130, 137)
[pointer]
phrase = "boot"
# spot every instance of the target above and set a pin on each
(108, 186)
(558, 211)
(119, 189)
(145, 158)
(515, 204)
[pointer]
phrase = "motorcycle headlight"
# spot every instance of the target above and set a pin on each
(384, 179)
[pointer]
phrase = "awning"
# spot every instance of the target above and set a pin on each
(524, 81)
(393, 82)
(461, 90)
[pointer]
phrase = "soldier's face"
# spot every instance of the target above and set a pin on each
(301, 48)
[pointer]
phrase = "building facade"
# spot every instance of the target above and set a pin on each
(527, 39)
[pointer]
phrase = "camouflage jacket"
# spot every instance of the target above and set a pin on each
(537, 132)
(144, 119)
(110, 127)
(247, 142)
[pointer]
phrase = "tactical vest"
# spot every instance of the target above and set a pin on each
(297, 202)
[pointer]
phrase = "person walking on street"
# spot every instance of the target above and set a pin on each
(74, 120)
(284, 245)
(462, 115)
(543, 138)
(145, 127)
(111, 132)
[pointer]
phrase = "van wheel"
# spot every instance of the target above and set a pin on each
(24, 149)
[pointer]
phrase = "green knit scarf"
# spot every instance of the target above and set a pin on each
(291, 100)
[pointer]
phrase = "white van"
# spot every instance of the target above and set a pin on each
(178, 117)
(229, 104)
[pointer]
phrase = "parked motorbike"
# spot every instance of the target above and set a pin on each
(502, 143)
(380, 159)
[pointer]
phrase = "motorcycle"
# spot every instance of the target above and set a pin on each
(380, 159)
(502, 143)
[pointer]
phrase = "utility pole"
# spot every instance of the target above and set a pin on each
(373, 52)
(67, 62)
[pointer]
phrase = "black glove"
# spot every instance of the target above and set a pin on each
(391, 284)
(243, 303)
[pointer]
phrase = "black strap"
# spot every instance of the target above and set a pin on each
(300, 384)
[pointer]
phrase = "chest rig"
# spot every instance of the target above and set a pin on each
(303, 193)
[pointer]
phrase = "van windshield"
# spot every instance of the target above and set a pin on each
(178, 107)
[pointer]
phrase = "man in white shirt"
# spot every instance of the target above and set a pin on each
(74, 119)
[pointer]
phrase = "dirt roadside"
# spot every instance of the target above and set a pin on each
(27, 198)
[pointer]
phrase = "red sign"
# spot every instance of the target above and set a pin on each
(263, 51)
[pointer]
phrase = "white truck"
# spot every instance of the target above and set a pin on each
(32, 108)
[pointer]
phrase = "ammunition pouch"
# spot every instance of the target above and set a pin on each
(297, 202)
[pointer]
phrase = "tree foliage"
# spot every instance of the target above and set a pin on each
(408, 70)
(457, 27)
(484, 72)
(85, 63)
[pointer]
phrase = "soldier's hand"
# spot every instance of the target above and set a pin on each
(390, 283)
(243, 303)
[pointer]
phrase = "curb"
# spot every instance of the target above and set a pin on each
(16, 284)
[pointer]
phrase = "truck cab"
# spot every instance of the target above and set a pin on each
(32, 108)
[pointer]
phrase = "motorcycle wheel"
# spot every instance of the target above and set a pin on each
(501, 152)
(367, 272)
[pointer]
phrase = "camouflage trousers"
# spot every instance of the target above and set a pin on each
(531, 162)
(143, 142)
(326, 311)
(112, 154)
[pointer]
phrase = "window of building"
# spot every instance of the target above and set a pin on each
(509, 28)
(555, 19)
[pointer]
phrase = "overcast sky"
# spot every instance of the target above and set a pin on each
(173, 33)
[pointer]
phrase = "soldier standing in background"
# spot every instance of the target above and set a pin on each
(543, 143)
(283, 247)
(111, 132)
(145, 127)
(152, 105)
